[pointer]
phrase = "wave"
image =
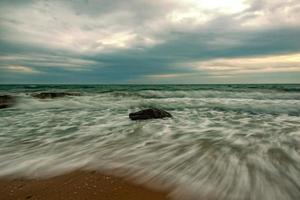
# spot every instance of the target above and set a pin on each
(219, 144)
(125, 103)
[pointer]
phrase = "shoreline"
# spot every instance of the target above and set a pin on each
(78, 185)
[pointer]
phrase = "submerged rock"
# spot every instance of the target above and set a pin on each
(6, 101)
(151, 113)
(52, 95)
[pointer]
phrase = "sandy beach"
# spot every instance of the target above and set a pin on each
(79, 185)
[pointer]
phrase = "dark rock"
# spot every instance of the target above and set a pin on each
(6, 101)
(151, 113)
(52, 95)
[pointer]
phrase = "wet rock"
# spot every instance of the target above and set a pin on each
(52, 95)
(151, 113)
(6, 101)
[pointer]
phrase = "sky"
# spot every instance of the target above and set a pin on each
(149, 41)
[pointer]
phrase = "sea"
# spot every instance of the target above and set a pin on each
(224, 142)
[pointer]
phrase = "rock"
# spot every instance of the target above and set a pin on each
(6, 101)
(151, 113)
(52, 95)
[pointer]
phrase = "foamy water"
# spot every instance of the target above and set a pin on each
(224, 142)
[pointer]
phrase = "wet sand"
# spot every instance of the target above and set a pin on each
(79, 185)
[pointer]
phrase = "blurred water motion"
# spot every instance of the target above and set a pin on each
(227, 142)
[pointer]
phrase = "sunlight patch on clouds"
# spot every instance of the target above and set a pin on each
(199, 12)
(47, 61)
(226, 6)
(21, 69)
(159, 76)
(275, 63)
(191, 16)
(117, 40)
(223, 6)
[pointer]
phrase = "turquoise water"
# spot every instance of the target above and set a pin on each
(228, 142)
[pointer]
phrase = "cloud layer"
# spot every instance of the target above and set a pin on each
(141, 41)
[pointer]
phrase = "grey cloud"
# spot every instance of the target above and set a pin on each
(223, 36)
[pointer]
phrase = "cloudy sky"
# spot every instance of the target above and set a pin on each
(149, 41)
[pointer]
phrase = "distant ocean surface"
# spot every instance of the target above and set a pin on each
(224, 142)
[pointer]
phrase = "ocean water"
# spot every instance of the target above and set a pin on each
(224, 142)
